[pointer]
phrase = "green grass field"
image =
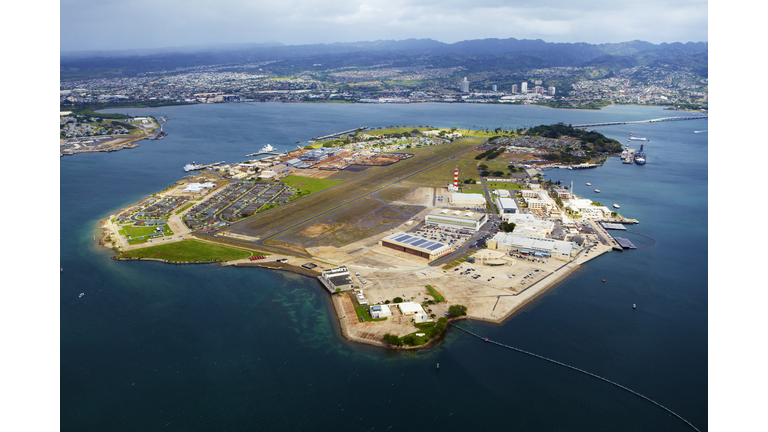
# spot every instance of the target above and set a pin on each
(188, 251)
(309, 184)
(503, 185)
(436, 295)
(362, 312)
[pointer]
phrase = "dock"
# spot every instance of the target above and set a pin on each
(630, 156)
(613, 226)
(264, 153)
(624, 243)
(324, 137)
(212, 165)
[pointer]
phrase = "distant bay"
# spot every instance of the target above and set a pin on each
(161, 347)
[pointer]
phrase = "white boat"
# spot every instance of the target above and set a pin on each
(597, 190)
(266, 149)
(616, 206)
(81, 295)
(192, 166)
(589, 184)
(632, 137)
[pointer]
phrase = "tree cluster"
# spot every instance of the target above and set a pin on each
(457, 310)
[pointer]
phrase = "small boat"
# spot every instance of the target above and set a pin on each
(589, 184)
(616, 206)
(634, 306)
(81, 295)
(597, 190)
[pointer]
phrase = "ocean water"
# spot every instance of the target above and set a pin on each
(153, 346)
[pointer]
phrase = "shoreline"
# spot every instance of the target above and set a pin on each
(531, 293)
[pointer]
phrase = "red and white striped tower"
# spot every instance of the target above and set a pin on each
(456, 178)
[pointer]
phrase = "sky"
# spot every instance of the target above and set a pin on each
(144, 24)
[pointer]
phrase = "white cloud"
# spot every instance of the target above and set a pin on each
(96, 24)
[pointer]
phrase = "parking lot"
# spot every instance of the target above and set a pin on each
(450, 236)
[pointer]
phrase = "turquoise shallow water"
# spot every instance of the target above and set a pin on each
(164, 347)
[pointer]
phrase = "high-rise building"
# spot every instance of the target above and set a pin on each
(524, 87)
(551, 91)
(514, 88)
(464, 86)
(493, 87)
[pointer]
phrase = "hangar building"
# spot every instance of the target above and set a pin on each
(415, 245)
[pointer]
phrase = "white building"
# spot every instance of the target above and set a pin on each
(468, 199)
(524, 87)
(527, 224)
(538, 199)
(267, 174)
(199, 187)
(586, 208)
(380, 311)
(458, 219)
(563, 193)
(506, 205)
(414, 310)
(516, 243)
(338, 277)
(464, 86)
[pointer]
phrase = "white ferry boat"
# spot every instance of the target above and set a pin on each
(616, 206)
(589, 184)
(597, 190)
(266, 149)
(634, 138)
(192, 166)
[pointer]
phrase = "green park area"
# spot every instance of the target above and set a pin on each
(188, 251)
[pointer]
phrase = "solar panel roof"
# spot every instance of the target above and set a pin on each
(416, 241)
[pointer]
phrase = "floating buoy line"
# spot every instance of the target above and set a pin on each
(579, 370)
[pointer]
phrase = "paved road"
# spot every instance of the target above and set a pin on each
(486, 193)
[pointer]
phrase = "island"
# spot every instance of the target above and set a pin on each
(407, 228)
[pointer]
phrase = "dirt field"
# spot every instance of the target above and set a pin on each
(313, 173)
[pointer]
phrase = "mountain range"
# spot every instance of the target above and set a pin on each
(480, 54)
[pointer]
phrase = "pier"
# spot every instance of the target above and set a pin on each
(324, 137)
(663, 119)
(264, 153)
(578, 370)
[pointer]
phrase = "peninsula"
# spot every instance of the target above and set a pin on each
(405, 227)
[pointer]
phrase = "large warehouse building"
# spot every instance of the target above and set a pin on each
(415, 245)
(468, 199)
(506, 205)
(525, 245)
(458, 219)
